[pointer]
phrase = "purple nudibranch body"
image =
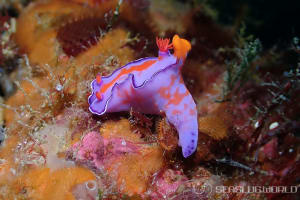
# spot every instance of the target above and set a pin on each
(152, 85)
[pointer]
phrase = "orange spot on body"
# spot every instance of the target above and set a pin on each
(177, 97)
(127, 98)
(185, 106)
(165, 91)
(192, 112)
(176, 112)
(98, 79)
(124, 71)
(131, 98)
(181, 79)
(99, 95)
(119, 93)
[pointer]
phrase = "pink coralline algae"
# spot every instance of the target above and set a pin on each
(166, 184)
(152, 86)
(97, 150)
(90, 148)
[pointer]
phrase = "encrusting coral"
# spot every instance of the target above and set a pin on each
(27, 92)
(123, 154)
(61, 31)
(216, 124)
(44, 184)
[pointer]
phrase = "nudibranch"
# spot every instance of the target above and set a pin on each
(152, 85)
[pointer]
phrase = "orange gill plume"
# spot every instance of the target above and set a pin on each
(163, 44)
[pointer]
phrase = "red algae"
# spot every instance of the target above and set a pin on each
(166, 183)
(167, 136)
(77, 36)
(122, 154)
(93, 148)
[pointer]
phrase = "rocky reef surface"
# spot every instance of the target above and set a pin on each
(53, 147)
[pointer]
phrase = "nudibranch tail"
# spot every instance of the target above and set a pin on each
(184, 117)
(151, 85)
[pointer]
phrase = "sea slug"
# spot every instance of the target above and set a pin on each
(152, 85)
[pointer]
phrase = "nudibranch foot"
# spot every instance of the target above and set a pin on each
(152, 86)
